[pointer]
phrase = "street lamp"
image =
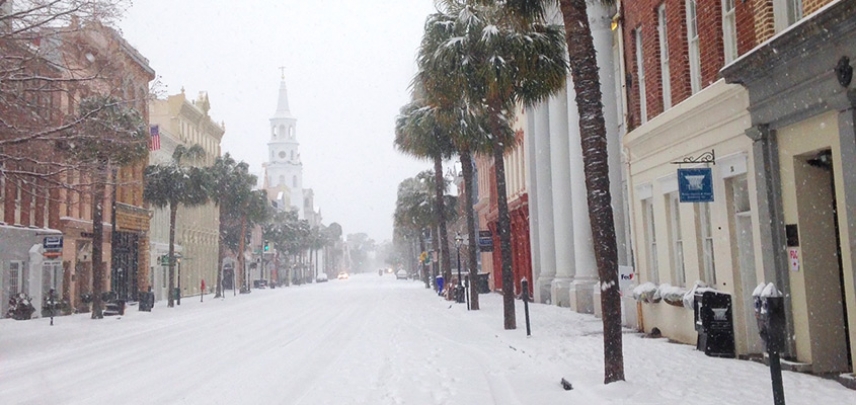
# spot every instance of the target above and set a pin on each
(459, 293)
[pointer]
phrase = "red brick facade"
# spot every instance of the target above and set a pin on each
(642, 15)
(754, 21)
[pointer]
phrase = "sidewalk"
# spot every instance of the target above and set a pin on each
(657, 371)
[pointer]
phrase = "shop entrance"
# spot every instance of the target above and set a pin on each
(818, 250)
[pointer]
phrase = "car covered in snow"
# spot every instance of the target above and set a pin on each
(322, 278)
(401, 275)
(343, 275)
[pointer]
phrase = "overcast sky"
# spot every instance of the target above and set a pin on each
(348, 65)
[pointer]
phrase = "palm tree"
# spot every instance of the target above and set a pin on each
(586, 77)
(254, 209)
(413, 212)
(469, 130)
(171, 185)
(500, 61)
(232, 189)
(419, 132)
(110, 133)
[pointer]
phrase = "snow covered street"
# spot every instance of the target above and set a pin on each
(367, 340)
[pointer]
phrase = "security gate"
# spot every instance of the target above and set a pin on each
(124, 272)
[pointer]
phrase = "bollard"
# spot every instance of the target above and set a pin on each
(524, 285)
(467, 290)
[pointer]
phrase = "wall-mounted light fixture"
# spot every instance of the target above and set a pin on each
(844, 71)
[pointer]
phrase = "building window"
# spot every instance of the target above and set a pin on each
(729, 30)
(281, 180)
(640, 77)
(786, 12)
(651, 238)
(692, 38)
(706, 236)
(16, 277)
(664, 57)
(52, 277)
(679, 275)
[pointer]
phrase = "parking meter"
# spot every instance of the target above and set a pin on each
(770, 315)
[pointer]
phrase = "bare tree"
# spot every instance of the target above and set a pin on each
(43, 79)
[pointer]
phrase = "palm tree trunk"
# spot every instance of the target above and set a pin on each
(504, 230)
(98, 194)
(173, 210)
(311, 265)
(435, 264)
(472, 260)
(221, 252)
(241, 245)
(440, 209)
(585, 72)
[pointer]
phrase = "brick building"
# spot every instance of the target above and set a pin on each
(92, 59)
(680, 109)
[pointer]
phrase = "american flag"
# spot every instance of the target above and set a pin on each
(155, 138)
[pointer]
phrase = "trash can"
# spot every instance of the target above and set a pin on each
(147, 301)
(483, 283)
(712, 312)
(440, 282)
(176, 293)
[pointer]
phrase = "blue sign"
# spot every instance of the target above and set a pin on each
(52, 243)
(485, 241)
(695, 185)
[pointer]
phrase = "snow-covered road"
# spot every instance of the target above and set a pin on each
(367, 340)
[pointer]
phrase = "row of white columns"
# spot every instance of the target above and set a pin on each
(564, 264)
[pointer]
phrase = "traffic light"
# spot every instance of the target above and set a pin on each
(267, 246)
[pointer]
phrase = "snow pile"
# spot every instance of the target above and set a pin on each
(647, 293)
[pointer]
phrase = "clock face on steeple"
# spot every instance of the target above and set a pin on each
(282, 154)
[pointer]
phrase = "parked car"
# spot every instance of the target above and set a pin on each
(342, 275)
(322, 278)
(401, 275)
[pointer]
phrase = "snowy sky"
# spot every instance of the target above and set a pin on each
(348, 65)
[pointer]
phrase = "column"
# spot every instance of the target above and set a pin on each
(546, 242)
(562, 201)
(532, 190)
(765, 151)
(585, 276)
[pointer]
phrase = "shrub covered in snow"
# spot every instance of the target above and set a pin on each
(647, 293)
(672, 295)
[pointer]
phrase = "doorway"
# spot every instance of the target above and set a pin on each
(819, 250)
(740, 212)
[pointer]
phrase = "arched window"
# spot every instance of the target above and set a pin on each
(281, 131)
(281, 180)
(290, 132)
(292, 155)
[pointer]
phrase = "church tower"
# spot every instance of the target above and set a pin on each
(284, 171)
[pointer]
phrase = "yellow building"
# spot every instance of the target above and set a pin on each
(186, 122)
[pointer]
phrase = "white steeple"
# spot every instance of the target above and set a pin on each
(284, 170)
(282, 110)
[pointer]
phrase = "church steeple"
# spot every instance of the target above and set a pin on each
(282, 110)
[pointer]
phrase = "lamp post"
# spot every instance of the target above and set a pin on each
(459, 290)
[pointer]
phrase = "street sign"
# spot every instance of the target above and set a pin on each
(52, 243)
(695, 185)
(485, 241)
